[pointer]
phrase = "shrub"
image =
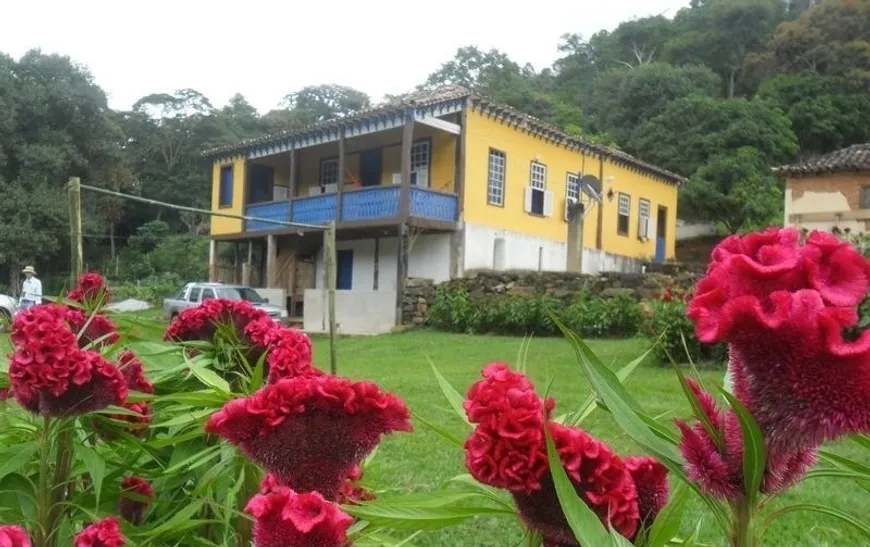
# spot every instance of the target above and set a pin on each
(455, 310)
(152, 289)
(666, 322)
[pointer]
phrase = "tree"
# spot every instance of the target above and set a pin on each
(734, 188)
(633, 43)
(832, 38)
(54, 123)
(826, 113)
(722, 33)
(693, 130)
(325, 102)
(626, 99)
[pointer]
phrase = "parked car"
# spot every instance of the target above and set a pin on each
(8, 308)
(193, 294)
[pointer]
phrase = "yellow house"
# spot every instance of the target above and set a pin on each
(434, 185)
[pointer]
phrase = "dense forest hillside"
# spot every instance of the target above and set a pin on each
(719, 93)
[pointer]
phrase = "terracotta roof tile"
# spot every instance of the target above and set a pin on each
(852, 158)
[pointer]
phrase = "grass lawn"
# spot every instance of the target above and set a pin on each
(422, 461)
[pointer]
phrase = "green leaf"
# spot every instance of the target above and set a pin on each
(667, 524)
(439, 430)
(19, 457)
(96, 468)
(417, 518)
(185, 418)
(456, 400)
(856, 523)
(178, 519)
(847, 463)
(589, 405)
(257, 375)
(210, 378)
(754, 451)
(587, 527)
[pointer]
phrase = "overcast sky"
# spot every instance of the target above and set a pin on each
(266, 49)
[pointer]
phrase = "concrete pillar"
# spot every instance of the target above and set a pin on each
(575, 238)
(247, 265)
(212, 261)
(271, 261)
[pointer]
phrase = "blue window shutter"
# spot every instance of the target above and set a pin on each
(225, 198)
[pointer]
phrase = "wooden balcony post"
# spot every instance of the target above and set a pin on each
(401, 271)
(340, 180)
(407, 143)
(291, 184)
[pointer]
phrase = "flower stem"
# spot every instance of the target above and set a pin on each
(42, 495)
(60, 484)
(741, 533)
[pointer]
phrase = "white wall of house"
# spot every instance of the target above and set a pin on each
(489, 248)
(429, 257)
(691, 230)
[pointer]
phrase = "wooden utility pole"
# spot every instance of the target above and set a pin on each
(74, 191)
(329, 260)
(575, 237)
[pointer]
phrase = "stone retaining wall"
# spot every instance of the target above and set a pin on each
(419, 293)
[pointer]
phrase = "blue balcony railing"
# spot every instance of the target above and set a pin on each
(433, 205)
(274, 210)
(315, 209)
(370, 203)
(379, 202)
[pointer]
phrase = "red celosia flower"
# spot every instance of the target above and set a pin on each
(139, 424)
(13, 536)
(50, 375)
(284, 518)
(134, 509)
(5, 393)
(781, 307)
(91, 292)
(311, 431)
(94, 329)
(651, 482)
(103, 533)
(353, 493)
(203, 321)
(134, 372)
(508, 450)
(289, 350)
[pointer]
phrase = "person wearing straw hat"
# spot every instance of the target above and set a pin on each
(31, 290)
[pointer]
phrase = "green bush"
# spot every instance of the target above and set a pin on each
(667, 323)
(152, 289)
(455, 310)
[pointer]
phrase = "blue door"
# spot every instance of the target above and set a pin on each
(344, 270)
(661, 233)
(370, 165)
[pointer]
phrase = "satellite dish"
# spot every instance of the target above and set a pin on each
(591, 186)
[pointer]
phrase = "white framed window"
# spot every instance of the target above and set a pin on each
(495, 179)
(420, 164)
(328, 172)
(623, 214)
(572, 187)
(538, 176)
(539, 201)
(643, 208)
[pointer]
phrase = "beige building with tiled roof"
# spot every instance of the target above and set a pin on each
(829, 192)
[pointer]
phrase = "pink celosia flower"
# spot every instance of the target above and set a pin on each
(133, 510)
(134, 373)
(50, 375)
(651, 481)
(352, 493)
(13, 536)
(91, 292)
(311, 431)
(284, 518)
(139, 423)
(103, 533)
(94, 329)
(508, 450)
(782, 307)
